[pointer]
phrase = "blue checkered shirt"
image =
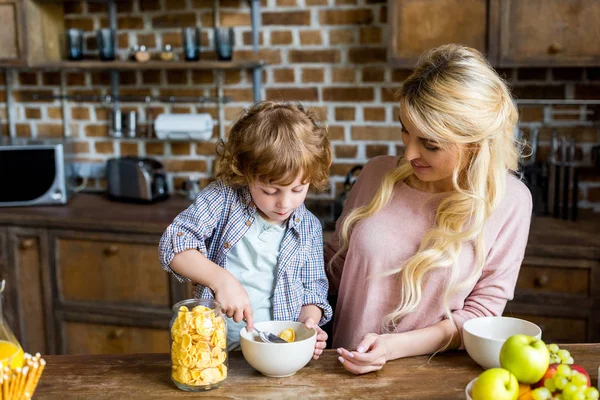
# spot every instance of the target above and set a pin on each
(220, 217)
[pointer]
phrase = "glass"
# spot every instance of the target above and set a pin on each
(191, 43)
(199, 358)
(224, 40)
(11, 352)
(106, 44)
(74, 39)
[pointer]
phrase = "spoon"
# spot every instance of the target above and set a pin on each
(269, 337)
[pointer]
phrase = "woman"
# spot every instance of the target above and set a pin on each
(434, 238)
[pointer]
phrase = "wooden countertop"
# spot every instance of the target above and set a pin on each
(147, 376)
(548, 236)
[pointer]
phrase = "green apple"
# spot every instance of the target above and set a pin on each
(526, 357)
(496, 384)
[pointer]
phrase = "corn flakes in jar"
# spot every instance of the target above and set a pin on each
(198, 345)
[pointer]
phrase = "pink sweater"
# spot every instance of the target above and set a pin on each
(387, 239)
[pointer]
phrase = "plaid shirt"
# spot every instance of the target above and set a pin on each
(220, 217)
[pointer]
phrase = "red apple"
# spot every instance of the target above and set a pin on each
(552, 370)
(581, 370)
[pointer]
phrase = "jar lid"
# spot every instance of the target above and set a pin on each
(143, 48)
(168, 47)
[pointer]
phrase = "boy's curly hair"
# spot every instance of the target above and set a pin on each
(273, 143)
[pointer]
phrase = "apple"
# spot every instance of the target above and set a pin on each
(552, 370)
(526, 357)
(496, 384)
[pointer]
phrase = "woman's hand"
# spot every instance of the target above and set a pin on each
(321, 337)
(234, 299)
(370, 355)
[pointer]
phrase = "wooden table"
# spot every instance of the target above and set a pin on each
(146, 376)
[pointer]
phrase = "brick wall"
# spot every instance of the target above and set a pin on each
(328, 54)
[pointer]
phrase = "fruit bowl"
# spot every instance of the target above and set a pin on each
(469, 389)
(278, 359)
(483, 337)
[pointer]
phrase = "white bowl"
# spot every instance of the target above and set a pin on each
(469, 389)
(484, 337)
(278, 359)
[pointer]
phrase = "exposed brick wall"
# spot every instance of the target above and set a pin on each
(329, 54)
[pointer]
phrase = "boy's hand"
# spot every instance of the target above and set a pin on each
(321, 337)
(234, 299)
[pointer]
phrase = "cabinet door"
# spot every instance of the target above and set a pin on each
(89, 334)
(28, 297)
(112, 272)
(418, 25)
(569, 323)
(12, 41)
(548, 32)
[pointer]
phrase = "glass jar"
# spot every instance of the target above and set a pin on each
(11, 352)
(199, 358)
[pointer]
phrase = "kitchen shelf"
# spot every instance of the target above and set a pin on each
(132, 65)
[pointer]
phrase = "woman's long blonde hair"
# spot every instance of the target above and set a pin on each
(456, 98)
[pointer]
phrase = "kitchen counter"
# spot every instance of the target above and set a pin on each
(147, 376)
(548, 236)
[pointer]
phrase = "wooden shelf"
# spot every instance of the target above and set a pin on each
(132, 65)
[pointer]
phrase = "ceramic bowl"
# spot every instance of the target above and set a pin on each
(483, 337)
(278, 359)
(469, 389)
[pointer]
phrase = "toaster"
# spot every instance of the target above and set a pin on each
(136, 179)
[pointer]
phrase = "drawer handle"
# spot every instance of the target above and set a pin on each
(541, 281)
(554, 48)
(26, 244)
(111, 250)
(116, 333)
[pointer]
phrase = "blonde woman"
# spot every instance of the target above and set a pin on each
(434, 238)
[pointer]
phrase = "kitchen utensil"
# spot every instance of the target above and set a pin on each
(106, 44)
(74, 39)
(224, 39)
(130, 124)
(566, 178)
(191, 43)
(552, 174)
(116, 123)
(269, 337)
(574, 179)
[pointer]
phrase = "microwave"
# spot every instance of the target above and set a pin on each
(35, 173)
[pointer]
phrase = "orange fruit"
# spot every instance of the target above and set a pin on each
(525, 392)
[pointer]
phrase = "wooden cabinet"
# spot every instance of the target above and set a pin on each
(86, 292)
(27, 297)
(31, 32)
(418, 25)
(548, 32)
(558, 295)
(94, 334)
(110, 270)
(511, 33)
